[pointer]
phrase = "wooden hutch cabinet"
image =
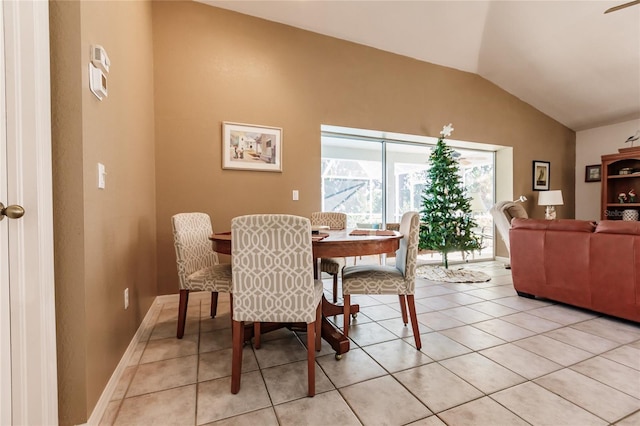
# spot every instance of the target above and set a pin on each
(620, 174)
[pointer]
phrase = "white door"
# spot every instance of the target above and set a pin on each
(5, 317)
(28, 381)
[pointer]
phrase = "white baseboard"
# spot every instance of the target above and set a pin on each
(175, 298)
(107, 393)
(502, 259)
(167, 298)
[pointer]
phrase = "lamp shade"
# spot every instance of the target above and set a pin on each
(550, 198)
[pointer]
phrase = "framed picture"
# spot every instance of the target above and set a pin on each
(592, 173)
(541, 175)
(251, 147)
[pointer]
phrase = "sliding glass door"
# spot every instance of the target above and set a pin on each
(406, 169)
(375, 180)
(352, 179)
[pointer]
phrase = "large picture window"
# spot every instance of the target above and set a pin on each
(374, 178)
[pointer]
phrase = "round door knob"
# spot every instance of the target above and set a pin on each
(12, 212)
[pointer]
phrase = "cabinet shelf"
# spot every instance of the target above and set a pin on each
(613, 183)
(632, 175)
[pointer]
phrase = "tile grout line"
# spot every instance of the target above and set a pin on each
(472, 351)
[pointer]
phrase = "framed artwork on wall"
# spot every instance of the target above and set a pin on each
(251, 147)
(541, 171)
(592, 173)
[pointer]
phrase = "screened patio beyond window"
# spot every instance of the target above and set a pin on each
(374, 179)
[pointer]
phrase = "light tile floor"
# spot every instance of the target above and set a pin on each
(489, 357)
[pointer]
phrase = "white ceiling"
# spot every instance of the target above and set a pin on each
(566, 58)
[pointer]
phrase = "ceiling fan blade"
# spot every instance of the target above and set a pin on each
(622, 6)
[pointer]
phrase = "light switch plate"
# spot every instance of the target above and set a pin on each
(295, 195)
(97, 82)
(101, 176)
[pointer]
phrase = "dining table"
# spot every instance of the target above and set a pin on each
(330, 243)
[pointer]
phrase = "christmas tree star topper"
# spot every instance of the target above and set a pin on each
(447, 130)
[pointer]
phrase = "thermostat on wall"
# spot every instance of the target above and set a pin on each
(97, 82)
(99, 58)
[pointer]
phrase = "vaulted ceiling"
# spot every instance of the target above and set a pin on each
(566, 58)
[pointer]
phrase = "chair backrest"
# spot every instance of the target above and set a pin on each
(272, 268)
(503, 213)
(393, 226)
(368, 225)
(191, 233)
(333, 220)
(407, 254)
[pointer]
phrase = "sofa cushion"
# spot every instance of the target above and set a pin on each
(572, 225)
(619, 227)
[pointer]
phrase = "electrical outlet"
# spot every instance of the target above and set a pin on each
(126, 298)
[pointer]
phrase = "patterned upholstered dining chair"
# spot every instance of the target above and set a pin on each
(198, 266)
(382, 279)
(332, 265)
(272, 263)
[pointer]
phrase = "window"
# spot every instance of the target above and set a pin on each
(375, 178)
(352, 179)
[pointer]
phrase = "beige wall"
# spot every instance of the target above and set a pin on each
(212, 65)
(591, 145)
(204, 66)
(104, 239)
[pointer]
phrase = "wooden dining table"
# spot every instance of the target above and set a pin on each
(332, 243)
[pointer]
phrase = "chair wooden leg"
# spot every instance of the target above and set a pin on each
(403, 308)
(231, 308)
(335, 288)
(346, 311)
(182, 312)
(414, 320)
(256, 335)
(236, 357)
(319, 327)
(311, 357)
(214, 303)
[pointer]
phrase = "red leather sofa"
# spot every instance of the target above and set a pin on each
(579, 263)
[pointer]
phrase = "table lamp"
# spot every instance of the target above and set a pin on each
(550, 199)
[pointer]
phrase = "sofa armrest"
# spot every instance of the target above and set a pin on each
(527, 259)
(550, 258)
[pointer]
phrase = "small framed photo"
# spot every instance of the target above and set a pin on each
(251, 147)
(592, 173)
(541, 171)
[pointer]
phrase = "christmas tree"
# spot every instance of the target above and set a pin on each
(447, 224)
